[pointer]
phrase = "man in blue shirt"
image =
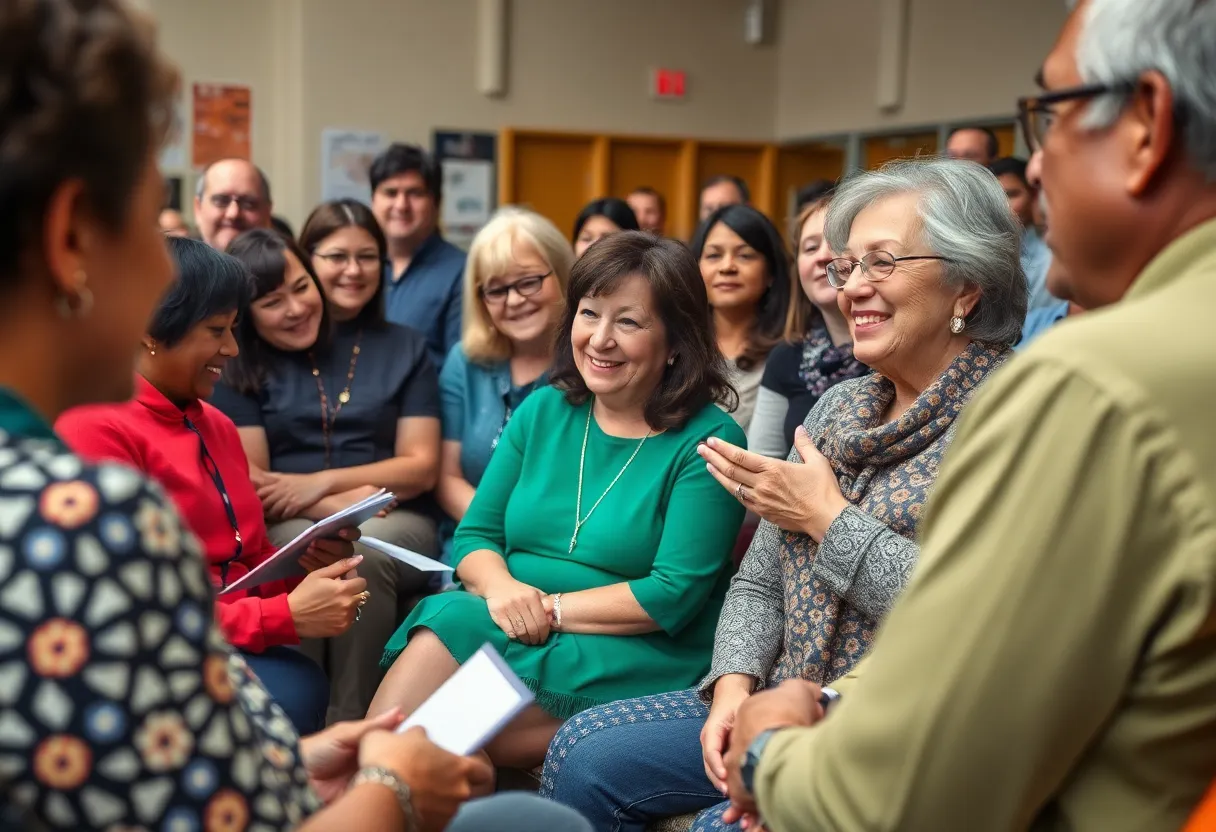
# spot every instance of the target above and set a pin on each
(425, 273)
(1036, 257)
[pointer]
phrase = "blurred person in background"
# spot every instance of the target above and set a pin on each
(650, 208)
(600, 218)
(232, 196)
(975, 144)
(720, 191)
(423, 270)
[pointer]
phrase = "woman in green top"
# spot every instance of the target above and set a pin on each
(596, 552)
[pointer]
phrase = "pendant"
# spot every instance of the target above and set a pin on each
(573, 540)
(344, 397)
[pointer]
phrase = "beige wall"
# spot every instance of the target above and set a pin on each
(966, 59)
(406, 68)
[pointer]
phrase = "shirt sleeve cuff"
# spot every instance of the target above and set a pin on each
(842, 548)
(277, 624)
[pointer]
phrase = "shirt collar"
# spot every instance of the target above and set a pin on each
(1187, 256)
(19, 420)
(156, 401)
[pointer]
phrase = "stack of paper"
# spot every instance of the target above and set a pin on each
(285, 562)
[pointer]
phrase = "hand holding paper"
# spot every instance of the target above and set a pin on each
(473, 706)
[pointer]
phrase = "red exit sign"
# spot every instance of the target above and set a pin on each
(667, 83)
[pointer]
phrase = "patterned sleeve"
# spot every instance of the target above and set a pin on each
(120, 704)
(865, 562)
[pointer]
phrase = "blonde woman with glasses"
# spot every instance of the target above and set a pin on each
(514, 289)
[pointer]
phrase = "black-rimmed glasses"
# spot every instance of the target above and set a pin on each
(875, 266)
(1035, 113)
(526, 287)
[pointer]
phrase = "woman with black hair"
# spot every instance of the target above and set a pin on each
(328, 414)
(600, 218)
(747, 277)
(168, 432)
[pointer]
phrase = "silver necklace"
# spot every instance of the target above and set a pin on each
(582, 458)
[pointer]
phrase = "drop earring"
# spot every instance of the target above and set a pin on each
(76, 305)
(957, 324)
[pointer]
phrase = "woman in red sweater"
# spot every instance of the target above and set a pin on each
(170, 434)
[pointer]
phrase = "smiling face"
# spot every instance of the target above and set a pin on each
(405, 208)
(620, 344)
(190, 368)
(232, 202)
(903, 321)
(814, 254)
(735, 274)
(348, 264)
(525, 319)
(595, 228)
(289, 318)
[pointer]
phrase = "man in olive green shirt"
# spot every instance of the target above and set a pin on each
(1052, 664)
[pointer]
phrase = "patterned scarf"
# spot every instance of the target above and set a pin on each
(824, 364)
(887, 471)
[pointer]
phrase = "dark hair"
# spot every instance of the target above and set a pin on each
(85, 95)
(813, 192)
(329, 217)
(646, 190)
(208, 283)
(994, 144)
(282, 226)
(263, 252)
(614, 209)
(407, 158)
(759, 233)
(1011, 164)
(698, 376)
(200, 187)
(744, 193)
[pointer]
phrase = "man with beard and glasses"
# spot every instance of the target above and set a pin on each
(1052, 662)
(233, 195)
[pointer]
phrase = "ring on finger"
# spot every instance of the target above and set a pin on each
(363, 596)
(739, 495)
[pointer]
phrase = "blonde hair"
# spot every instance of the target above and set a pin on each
(491, 254)
(801, 311)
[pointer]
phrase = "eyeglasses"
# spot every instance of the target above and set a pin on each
(364, 260)
(245, 203)
(526, 287)
(1035, 113)
(875, 266)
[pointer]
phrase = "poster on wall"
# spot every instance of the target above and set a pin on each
(469, 182)
(346, 156)
(223, 116)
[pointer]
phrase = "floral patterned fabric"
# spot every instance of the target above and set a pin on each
(121, 707)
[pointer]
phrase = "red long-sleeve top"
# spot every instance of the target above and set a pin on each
(152, 434)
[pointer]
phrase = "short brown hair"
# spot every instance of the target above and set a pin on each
(802, 313)
(86, 95)
(698, 376)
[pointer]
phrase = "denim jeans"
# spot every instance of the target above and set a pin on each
(628, 764)
(295, 682)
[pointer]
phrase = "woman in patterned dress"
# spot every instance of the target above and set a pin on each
(121, 706)
(931, 284)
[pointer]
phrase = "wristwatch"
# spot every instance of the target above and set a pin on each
(751, 760)
(386, 777)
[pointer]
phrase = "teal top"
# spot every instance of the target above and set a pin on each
(666, 529)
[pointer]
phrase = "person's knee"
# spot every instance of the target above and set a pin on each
(517, 812)
(587, 752)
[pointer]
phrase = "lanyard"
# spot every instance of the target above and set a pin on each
(213, 470)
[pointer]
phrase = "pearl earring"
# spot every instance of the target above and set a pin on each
(957, 324)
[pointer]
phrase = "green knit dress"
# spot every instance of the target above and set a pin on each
(666, 528)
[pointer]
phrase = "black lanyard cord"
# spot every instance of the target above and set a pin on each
(213, 470)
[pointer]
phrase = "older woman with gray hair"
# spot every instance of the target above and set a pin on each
(931, 284)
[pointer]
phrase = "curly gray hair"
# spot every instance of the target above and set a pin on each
(964, 217)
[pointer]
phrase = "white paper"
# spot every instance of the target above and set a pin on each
(473, 705)
(420, 562)
(284, 563)
(467, 196)
(346, 156)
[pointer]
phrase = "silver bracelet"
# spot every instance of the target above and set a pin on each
(387, 777)
(557, 611)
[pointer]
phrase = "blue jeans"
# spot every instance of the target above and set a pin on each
(628, 764)
(516, 812)
(296, 683)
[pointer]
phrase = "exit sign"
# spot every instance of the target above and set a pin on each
(667, 84)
